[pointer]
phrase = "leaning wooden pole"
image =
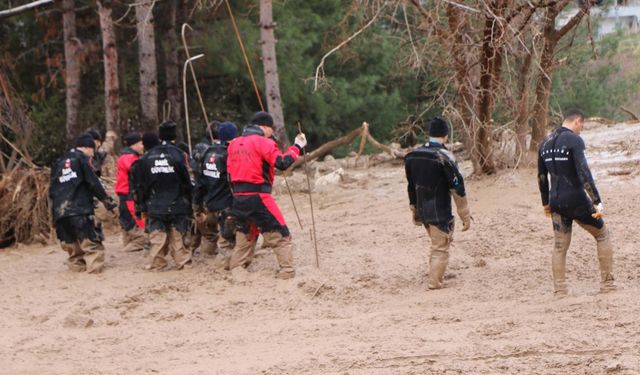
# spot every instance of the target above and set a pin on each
(313, 219)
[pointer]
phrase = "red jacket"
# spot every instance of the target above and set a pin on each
(252, 161)
(125, 161)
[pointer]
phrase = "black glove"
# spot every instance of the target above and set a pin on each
(109, 203)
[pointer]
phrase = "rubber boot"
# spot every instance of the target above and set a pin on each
(562, 241)
(136, 239)
(93, 255)
(439, 258)
(605, 256)
(243, 251)
(178, 251)
(75, 262)
(225, 248)
(158, 250)
(283, 248)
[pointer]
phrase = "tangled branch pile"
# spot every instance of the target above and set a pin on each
(24, 188)
(24, 203)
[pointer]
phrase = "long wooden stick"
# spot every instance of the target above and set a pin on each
(313, 220)
(184, 94)
(193, 72)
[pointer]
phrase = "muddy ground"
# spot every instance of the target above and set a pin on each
(367, 309)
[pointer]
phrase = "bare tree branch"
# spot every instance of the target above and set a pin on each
(24, 8)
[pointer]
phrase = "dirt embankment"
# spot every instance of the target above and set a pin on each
(366, 310)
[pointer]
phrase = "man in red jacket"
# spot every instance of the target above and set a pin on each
(251, 165)
(134, 237)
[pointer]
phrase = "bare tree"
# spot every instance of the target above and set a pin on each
(72, 47)
(147, 64)
(551, 38)
(172, 66)
(110, 57)
(270, 66)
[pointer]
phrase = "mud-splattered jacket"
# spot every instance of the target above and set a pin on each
(162, 182)
(252, 161)
(212, 183)
(571, 190)
(73, 186)
(432, 173)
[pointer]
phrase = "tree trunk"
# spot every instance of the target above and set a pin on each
(270, 66)
(72, 68)
(522, 106)
(147, 65)
(465, 102)
(490, 67)
(172, 66)
(110, 56)
(547, 65)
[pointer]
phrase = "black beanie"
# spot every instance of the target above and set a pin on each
(262, 118)
(95, 134)
(132, 138)
(438, 128)
(85, 140)
(150, 140)
(167, 131)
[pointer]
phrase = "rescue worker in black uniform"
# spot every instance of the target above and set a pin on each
(433, 177)
(571, 195)
(73, 186)
(163, 198)
(212, 197)
(197, 155)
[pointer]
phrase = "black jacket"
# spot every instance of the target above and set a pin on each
(161, 182)
(572, 191)
(212, 182)
(73, 186)
(198, 154)
(431, 173)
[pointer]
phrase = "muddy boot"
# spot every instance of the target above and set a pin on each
(178, 251)
(208, 247)
(243, 251)
(562, 240)
(75, 262)
(136, 238)
(283, 248)
(439, 258)
(605, 256)
(93, 255)
(158, 250)
(225, 248)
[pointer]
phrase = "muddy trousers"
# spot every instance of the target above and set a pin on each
(165, 242)
(439, 257)
(79, 239)
(84, 256)
(282, 247)
(208, 224)
(562, 228)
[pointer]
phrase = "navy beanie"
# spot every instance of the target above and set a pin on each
(150, 140)
(227, 131)
(95, 134)
(262, 118)
(132, 138)
(438, 128)
(85, 140)
(167, 131)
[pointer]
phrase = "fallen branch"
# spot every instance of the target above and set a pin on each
(24, 8)
(634, 117)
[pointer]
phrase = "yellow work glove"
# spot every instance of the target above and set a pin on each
(547, 210)
(599, 211)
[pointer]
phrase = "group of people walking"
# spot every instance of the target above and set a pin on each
(218, 199)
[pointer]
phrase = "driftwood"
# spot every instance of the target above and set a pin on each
(365, 137)
(634, 117)
(606, 121)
